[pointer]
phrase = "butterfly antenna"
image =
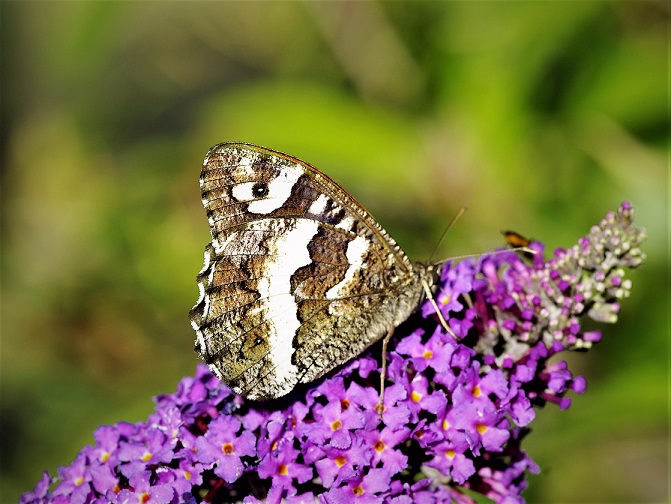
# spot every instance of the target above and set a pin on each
(494, 252)
(454, 220)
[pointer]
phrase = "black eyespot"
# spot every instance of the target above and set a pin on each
(260, 189)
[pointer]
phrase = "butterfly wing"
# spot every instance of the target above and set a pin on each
(298, 277)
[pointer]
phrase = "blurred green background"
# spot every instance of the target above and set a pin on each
(539, 116)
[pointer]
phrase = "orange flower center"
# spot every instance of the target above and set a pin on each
(379, 446)
(358, 490)
(336, 425)
(227, 448)
(341, 461)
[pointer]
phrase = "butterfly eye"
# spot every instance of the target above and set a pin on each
(260, 189)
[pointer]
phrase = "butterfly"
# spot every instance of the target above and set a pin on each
(298, 278)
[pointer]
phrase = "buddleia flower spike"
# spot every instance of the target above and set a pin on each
(456, 409)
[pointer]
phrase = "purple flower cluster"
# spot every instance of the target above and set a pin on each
(453, 417)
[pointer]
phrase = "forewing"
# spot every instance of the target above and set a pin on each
(298, 278)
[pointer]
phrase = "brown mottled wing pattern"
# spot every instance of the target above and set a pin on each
(298, 277)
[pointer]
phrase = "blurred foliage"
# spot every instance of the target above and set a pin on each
(540, 116)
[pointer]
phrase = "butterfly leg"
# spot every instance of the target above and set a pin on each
(431, 299)
(383, 373)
